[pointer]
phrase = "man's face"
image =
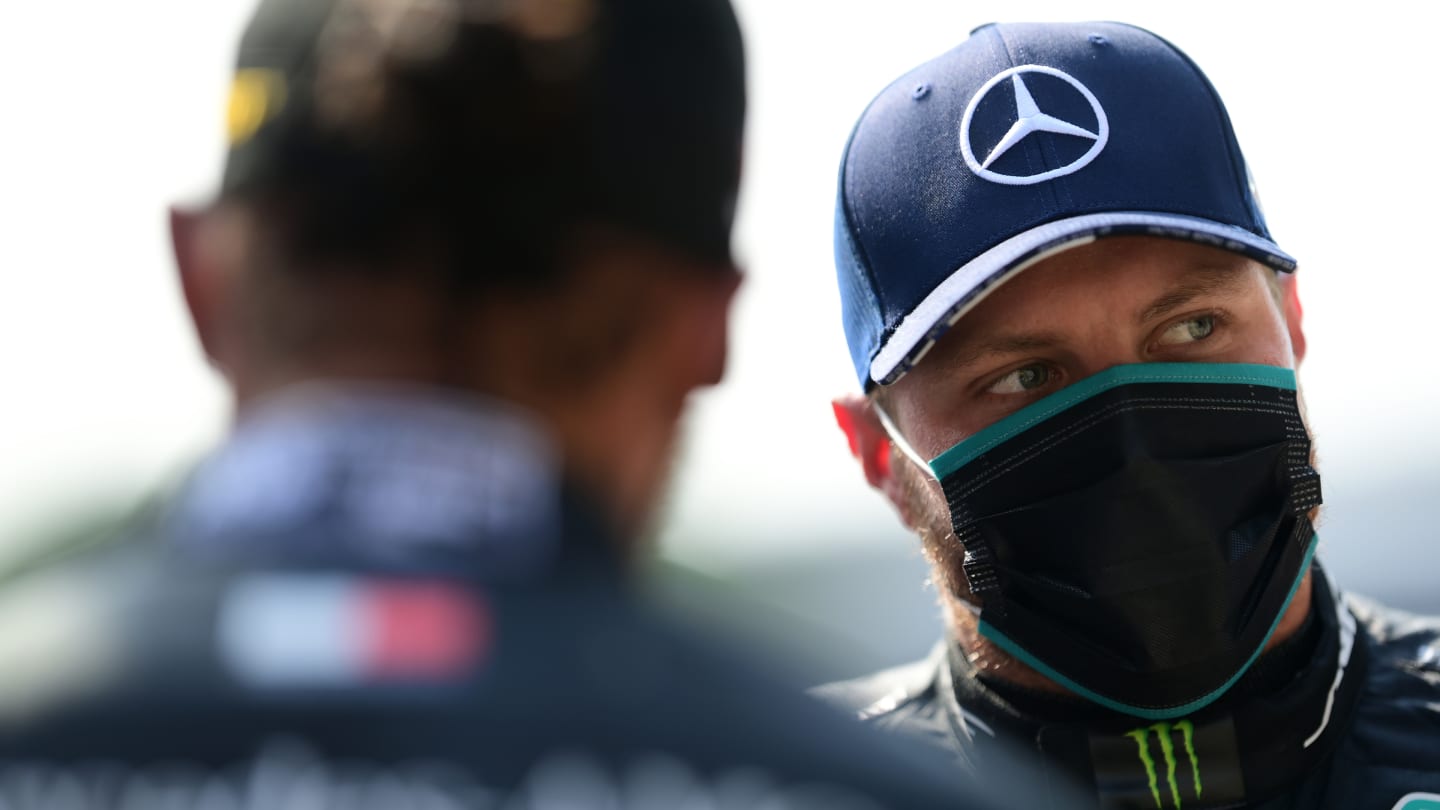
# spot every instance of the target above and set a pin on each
(1114, 301)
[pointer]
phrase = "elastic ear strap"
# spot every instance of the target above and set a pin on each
(979, 571)
(899, 441)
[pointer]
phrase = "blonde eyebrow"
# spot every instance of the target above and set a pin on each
(1007, 344)
(1205, 281)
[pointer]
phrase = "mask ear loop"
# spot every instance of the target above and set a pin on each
(900, 443)
(897, 439)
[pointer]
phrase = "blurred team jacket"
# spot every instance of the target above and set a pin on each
(392, 599)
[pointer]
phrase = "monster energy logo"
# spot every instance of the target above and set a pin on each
(1163, 731)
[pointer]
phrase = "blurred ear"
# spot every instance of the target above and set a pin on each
(869, 441)
(647, 333)
(199, 282)
(701, 341)
(910, 489)
(1294, 313)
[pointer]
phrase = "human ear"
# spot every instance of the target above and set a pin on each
(709, 330)
(198, 282)
(1294, 313)
(869, 443)
(899, 476)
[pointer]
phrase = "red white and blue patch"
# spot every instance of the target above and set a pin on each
(336, 631)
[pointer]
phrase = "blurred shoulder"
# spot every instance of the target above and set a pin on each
(1400, 640)
(1398, 722)
(898, 698)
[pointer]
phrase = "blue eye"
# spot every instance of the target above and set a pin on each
(1021, 380)
(1189, 330)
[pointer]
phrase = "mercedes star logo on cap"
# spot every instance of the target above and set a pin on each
(1029, 120)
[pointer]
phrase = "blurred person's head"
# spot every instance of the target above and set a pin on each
(526, 199)
(1076, 342)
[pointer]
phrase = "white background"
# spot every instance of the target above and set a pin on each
(110, 111)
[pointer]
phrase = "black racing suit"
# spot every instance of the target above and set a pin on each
(390, 600)
(1345, 715)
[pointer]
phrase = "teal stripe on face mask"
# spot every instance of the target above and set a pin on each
(1215, 373)
(1005, 643)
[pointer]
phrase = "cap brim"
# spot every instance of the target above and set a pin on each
(969, 284)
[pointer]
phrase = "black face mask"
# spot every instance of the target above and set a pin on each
(1137, 536)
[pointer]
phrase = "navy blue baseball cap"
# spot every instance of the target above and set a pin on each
(1024, 141)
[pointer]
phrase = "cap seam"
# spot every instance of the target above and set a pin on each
(1226, 129)
(1043, 147)
(852, 225)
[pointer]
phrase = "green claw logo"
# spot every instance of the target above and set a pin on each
(1163, 731)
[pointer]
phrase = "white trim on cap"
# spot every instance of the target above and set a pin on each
(917, 332)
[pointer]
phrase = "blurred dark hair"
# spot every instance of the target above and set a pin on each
(483, 137)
